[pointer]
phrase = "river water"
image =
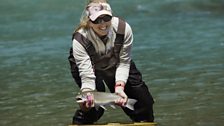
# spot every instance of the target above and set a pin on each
(178, 47)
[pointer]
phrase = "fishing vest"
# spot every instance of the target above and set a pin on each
(102, 64)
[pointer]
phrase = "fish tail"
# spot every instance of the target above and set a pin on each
(130, 104)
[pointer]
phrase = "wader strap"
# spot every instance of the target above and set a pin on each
(119, 40)
(86, 44)
(121, 26)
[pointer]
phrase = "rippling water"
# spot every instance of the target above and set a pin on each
(179, 48)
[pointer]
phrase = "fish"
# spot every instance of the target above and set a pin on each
(103, 99)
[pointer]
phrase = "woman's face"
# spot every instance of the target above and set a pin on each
(101, 25)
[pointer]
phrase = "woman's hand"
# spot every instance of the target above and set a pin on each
(119, 89)
(89, 103)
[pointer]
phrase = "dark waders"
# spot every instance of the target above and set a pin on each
(135, 88)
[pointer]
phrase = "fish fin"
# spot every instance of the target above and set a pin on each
(112, 106)
(103, 107)
(130, 104)
(107, 89)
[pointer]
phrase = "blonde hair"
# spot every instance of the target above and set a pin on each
(84, 20)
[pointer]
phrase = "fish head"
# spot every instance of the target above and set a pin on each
(81, 98)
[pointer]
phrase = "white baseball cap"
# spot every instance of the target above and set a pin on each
(94, 10)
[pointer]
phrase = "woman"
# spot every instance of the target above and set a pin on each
(101, 54)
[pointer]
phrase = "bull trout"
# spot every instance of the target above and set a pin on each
(102, 99)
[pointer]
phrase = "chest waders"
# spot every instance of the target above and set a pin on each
(104, 68)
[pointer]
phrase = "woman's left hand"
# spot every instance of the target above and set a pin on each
(119, 89)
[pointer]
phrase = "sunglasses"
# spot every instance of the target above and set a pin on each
(99, 20)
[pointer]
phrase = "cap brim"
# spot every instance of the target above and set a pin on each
(96, 15)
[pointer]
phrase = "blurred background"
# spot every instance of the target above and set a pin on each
(178, 47)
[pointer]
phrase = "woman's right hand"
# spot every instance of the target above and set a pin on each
(89, 103)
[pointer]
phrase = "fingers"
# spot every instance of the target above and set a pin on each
(123, 100)
(90, 100)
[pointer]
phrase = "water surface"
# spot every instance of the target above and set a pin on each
(178, 47)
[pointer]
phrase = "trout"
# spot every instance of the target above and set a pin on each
(102, 99)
